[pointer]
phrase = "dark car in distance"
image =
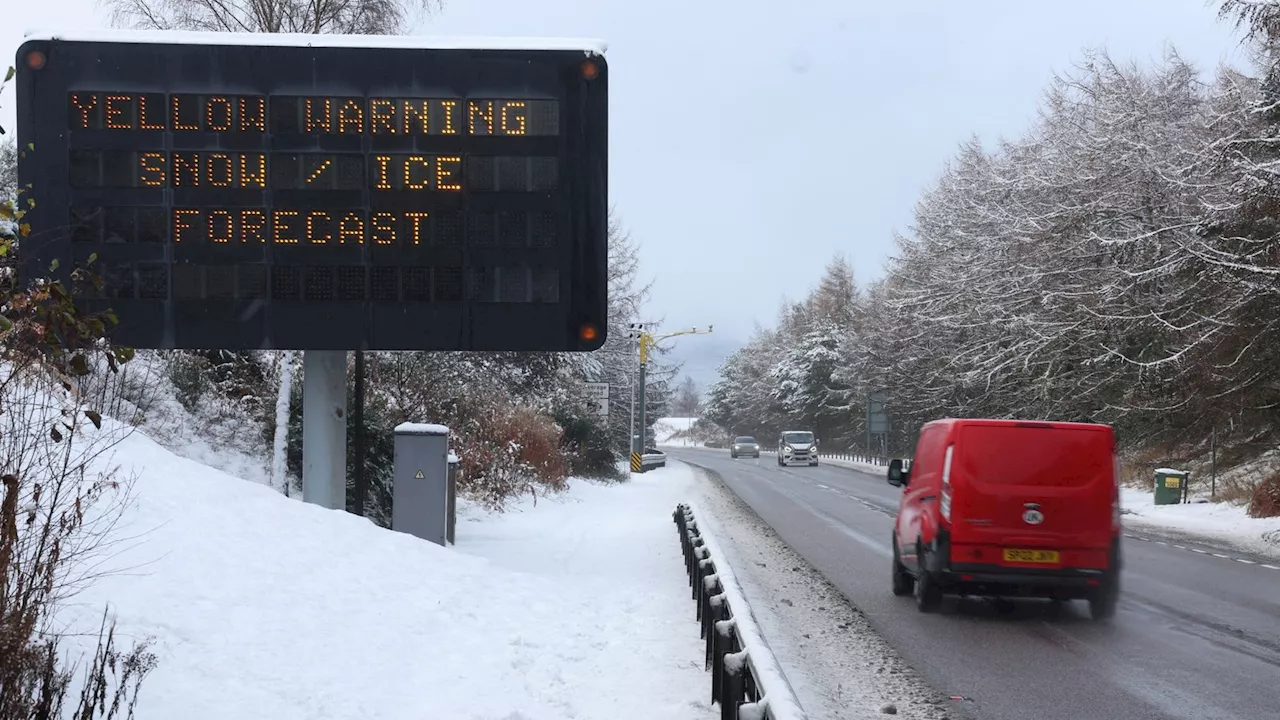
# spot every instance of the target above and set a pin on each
(744, 445)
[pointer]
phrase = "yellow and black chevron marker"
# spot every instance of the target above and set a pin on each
(636, 465)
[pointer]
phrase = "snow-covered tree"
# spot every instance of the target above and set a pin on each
(8, 170)
(362, 17)
(1114, 263)
(688, 399)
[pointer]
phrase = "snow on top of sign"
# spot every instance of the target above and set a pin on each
(421, 429)
(417, 42)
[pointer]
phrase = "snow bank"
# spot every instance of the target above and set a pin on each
(217, 432)
(267, 607)
(1225, 521)
(667, 430)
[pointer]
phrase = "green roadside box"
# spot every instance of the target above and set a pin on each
(1171, 486)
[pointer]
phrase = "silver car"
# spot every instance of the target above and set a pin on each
(797, 447)
(744, 445)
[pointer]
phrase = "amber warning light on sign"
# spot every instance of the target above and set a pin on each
(281, 197)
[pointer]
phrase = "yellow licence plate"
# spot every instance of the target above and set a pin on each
(1042, 557)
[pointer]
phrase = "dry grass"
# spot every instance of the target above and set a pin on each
(1265, 501)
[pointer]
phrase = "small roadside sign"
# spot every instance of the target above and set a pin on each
(601, 407)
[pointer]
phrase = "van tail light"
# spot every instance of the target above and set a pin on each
(945, 504)
(1115, 494)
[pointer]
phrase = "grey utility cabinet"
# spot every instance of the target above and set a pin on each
(420, 498)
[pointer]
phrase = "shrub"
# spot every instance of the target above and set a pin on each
(586, 443)
(506, 451)
(55, 512)
(1266, 498)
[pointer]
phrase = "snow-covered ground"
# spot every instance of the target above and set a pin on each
(668, 431)
(1227, 522)
(574, 607)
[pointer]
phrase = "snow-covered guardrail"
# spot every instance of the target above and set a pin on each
(877, 460)
(653, 460)
(746, 680)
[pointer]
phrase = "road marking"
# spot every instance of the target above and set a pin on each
(1243, 561)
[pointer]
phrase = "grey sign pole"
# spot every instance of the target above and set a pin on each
(877, 418)
(324, 428)
(420, 496)
(638, 439)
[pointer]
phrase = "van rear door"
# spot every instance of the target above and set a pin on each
(1033, 485)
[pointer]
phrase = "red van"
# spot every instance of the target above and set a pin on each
(1008, 508)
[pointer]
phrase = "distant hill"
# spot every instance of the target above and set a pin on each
(702, 356)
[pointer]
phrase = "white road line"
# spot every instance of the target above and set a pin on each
(1246, 562)
(1271, 567)
(1220, 555)
(1198, 550)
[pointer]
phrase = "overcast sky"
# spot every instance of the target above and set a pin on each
(751, 141)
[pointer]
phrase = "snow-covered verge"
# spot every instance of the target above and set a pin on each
(575, 606)
(674, 431)
(1228, 522)
(835, 661)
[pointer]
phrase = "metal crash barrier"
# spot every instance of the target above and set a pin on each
(738, 684)
(648, 461)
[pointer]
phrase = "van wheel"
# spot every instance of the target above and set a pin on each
(903, 583)
(1103, 601)
(928, 594)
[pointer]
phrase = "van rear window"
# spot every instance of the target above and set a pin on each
(1031, 456)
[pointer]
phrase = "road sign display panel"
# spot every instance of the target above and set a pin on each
(281, 196)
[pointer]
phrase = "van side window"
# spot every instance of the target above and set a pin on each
(926, 469)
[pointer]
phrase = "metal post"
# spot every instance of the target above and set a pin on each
(870, 451)
(324, 428)
(1213, 463)
(361, 486)
(643, 433)
(631, 437)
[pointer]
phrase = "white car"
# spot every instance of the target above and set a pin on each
(797, 447)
